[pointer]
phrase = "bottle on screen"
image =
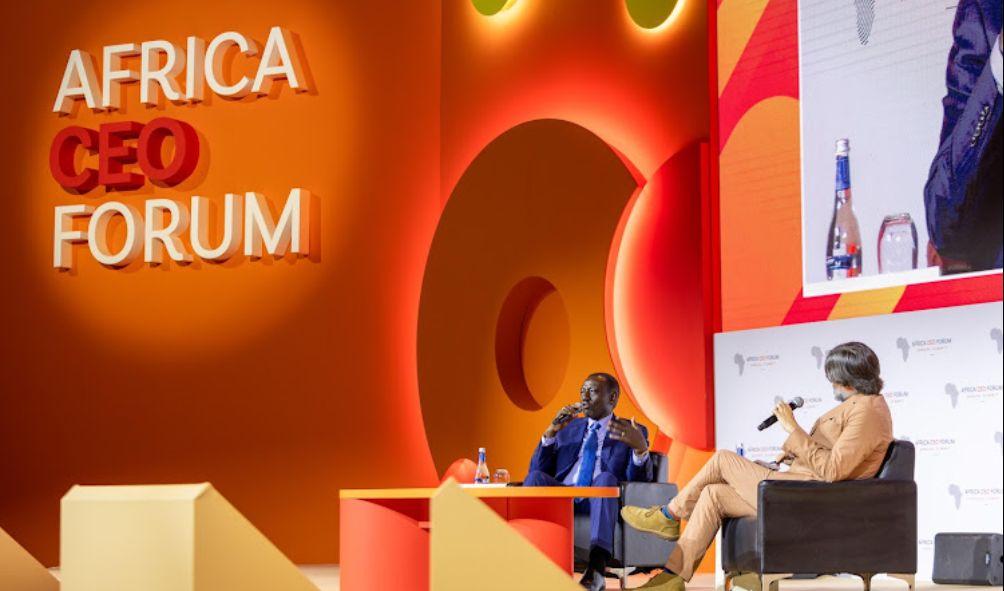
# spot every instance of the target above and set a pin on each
(843, 242)
(481, 475)
(741, 450)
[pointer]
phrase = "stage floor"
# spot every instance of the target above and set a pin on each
(326, 579)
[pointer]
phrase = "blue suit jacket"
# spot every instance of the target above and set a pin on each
(972, 107)
(559, 458)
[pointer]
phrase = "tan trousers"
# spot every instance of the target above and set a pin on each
(725, 487)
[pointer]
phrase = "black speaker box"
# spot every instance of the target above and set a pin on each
(968, 559)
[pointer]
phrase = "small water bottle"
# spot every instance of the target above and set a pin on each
(741, 450)
(481, 475)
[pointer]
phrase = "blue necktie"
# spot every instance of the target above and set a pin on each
(588, 465)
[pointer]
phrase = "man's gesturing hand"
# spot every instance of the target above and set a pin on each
(564, 416)
(628, 432)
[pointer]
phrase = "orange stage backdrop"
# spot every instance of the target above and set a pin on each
(282, 381)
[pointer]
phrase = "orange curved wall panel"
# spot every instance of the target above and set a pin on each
(540, 202)
(661, 299)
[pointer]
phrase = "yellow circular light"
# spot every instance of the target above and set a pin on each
(491, 7)
(649, 14)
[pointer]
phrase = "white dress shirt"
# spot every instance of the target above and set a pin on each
(573, 474)
(997, 63)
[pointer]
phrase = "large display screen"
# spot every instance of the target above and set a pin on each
(794, 78)
(900, 108)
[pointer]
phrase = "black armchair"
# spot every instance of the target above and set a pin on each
(864, 527)
(633, 549)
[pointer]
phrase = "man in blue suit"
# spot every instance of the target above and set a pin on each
(596, 449)
(963, 208)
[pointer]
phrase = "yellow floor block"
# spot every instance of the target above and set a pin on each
(19, 570)
(473, 548)
(166, 538)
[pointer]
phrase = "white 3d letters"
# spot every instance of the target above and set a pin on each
(64, 236)
(79, 82)
(214, 64)
(114, 75)
(97, 233)
(195, 71)
(233, 213)
(164, 224)
(163, 64)
(160, 236)
(291, 232)
(155, 77)
(277, 63)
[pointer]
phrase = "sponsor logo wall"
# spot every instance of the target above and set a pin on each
(943, 382)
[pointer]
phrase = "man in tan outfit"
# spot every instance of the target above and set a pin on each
(847, 443)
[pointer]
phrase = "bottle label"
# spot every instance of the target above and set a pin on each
(843, 173)
(840, 262)
(844, 266)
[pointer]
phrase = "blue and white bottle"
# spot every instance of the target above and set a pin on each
(481, 475)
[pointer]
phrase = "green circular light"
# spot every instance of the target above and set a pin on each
(491, 7)
(649, 14)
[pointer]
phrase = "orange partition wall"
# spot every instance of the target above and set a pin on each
(280, 381)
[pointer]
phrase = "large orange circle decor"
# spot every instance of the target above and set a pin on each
(542, 200)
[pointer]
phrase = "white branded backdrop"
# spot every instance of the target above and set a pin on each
(943, 382)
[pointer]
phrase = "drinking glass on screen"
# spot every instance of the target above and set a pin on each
(897, 244)
(501, 476)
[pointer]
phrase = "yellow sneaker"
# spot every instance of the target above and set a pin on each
(651, 520)
(665, 582)
(746, 582)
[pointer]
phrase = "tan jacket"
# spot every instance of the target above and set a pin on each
(847, 443)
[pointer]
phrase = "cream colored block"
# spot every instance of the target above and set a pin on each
(19, 570)
(470, 542)
(166, 538)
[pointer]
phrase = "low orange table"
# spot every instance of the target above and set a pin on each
(384, 533)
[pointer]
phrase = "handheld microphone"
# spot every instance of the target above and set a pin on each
(796, 402)
(567, 416)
